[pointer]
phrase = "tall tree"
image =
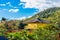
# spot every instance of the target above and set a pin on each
(4, 19)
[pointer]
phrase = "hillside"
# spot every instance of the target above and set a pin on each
(48, 12)
(49, 32)
(51, 14)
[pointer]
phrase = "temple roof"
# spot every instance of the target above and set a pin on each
(37, 20)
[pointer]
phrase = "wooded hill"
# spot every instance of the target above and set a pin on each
(51, 14)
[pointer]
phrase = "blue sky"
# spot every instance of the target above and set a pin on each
(21, 9)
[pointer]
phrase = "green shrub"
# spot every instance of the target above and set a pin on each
(39, 34)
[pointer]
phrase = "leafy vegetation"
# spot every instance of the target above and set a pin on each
(40, 34)
(47, 33)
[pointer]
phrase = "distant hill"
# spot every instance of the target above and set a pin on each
(48, 12)
(51, 14)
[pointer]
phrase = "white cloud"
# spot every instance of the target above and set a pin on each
(29, 16)
(40, 4)
(9, 3)
(21, 18)
(2, 4)
(15, 7)
(20, 3)
(13, 10)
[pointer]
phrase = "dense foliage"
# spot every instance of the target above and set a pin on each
(51, 14)
(40, 34)
(47, 33)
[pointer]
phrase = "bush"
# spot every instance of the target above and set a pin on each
(39, 34)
